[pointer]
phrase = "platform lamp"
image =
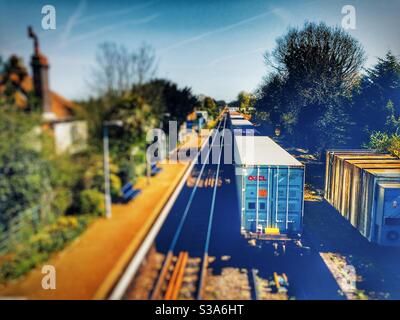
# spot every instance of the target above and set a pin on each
(107, 192)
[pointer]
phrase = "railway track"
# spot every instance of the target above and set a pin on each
(184, 267)
(178, 279)
(264, 289)
(182, 276)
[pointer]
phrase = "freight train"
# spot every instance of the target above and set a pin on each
(270, 185)
(364, 186)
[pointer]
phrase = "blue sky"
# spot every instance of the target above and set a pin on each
(215, 47)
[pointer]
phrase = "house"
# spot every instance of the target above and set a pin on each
(58, 113)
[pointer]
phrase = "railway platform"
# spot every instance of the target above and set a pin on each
(87, 267)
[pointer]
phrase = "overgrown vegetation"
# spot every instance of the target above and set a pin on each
(28, 174)
(43, 194)
(47, 199)
(37, 244)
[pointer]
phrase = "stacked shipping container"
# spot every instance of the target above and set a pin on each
(361, 185)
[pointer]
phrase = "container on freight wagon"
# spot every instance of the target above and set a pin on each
(236, 116)
(242, 127)
(334, 169)
(270, 185)
(368, 202)
(387, 228)
(364, 188)
(336, 179)
(350, 186)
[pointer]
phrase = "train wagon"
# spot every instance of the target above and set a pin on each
(369, 224)
(243, 127)
(270, 186)
(337, 170)
(236, 116)
(350, 187)
(366, 191)
(334, 170)
(387, 221)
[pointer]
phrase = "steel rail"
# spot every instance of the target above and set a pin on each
(203, 268)
(175, 239)
(176, 283)
(119, 289)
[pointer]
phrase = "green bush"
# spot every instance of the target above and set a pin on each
(94, 176)
(380, 141)
(62, 200)
(37, 249)
(92, 202)
(25, 173)
(383, 142)
(126, 170)
(115, 186)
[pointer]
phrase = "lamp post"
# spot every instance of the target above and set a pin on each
(107, 192)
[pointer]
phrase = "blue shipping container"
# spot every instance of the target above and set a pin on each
(270, 185)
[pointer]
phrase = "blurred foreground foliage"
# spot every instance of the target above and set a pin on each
(37, 245)
(47, 199)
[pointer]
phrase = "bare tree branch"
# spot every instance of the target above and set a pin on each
(117, 69)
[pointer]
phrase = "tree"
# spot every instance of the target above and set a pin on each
(167, 99)
(319, 58)
(221, 103)
(271, 98)
(380, 141)
(145, 63)
(246, 102)
(316, 68)
(12, 73)
(210, 106)
(376, 102)
(117, 69)
(25, 174)
(126, 91)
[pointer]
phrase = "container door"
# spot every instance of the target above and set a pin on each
(263, 193)
(250, 199)
(272, 198)
(295, 201)
(256, 199)
(282, 194)
(278, 199)
(390, 224)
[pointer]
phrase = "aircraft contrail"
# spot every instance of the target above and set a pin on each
(97, 32)
(218, 30)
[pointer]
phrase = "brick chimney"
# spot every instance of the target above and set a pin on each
(40, 71)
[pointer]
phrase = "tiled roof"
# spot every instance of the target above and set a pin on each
(60, 106)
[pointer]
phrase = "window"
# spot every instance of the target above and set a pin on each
(262, 205)
(251, 206)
